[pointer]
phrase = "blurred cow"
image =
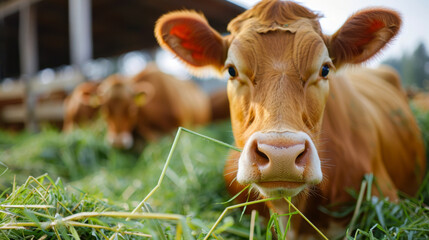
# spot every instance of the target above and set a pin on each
(421, 101)
(152, 104)
(81, 106)
(219, 105)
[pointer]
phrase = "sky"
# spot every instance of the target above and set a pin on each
(415, 16)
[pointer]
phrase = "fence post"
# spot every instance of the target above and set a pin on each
(28, 60)
(80, 32)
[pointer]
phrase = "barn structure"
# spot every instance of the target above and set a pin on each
(40, 34)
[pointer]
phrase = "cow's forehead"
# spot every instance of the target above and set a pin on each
(252, 31)
(301, 50)
(269, 14)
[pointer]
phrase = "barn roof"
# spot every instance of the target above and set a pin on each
(118, 26)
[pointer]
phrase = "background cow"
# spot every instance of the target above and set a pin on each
(421, 101)
(219, 105)
(81, 106)
(307, 131)
(152, 103)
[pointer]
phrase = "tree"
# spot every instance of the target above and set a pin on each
(413, 68)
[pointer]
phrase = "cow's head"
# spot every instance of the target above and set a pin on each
(120, 103)
(280, 64)
(86, 94)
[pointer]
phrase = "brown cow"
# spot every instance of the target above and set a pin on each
(152, 103)
(219, 105)
(419, 99)
(81, 106)
(307, 131)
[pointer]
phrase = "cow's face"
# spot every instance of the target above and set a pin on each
(277, 98)
(118, 110)
(280, 65)
(121, 118)
(121, 101)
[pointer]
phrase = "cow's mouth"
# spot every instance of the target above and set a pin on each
(281, 184)
(280, 188)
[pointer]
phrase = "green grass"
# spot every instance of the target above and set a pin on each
(86, 175)
(192, 187)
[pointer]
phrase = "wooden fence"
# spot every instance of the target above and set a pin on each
(48, 101)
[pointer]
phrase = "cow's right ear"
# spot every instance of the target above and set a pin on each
(189, 36)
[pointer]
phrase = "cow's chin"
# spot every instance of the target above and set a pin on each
(280, 189)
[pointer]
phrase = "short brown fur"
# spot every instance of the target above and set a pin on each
(358, 119)
(81, 107)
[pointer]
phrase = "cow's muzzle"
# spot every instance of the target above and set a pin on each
(123, 140)
(279, 163)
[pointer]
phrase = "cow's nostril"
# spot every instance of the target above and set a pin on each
(300, 159)
(263, 158)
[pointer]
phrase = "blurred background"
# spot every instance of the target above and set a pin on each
(47, 47)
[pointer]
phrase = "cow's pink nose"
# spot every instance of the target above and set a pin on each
(280, 156)
(280, 161)
(274, 160)
(293, 153)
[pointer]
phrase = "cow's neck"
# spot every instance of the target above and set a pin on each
(343, 131)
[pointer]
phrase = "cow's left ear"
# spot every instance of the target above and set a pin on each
(363, 35)
(143, 93)
(188, 35)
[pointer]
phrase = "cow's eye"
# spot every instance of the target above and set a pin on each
(232, 72)
(324, 71)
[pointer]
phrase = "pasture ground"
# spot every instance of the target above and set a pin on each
(79, 173)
